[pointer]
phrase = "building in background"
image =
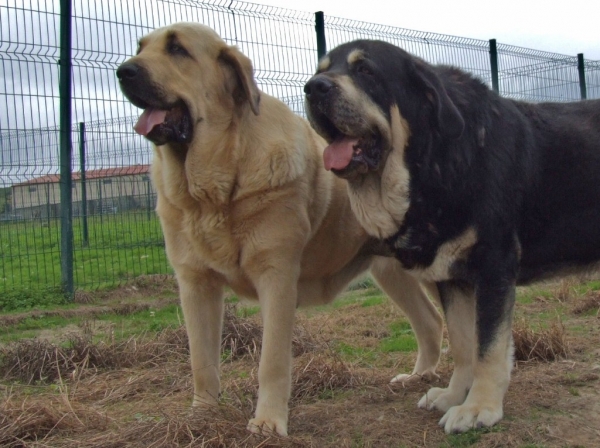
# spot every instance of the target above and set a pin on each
(107, 191)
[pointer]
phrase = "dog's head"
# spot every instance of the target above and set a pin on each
(369, 97)
(184, 76)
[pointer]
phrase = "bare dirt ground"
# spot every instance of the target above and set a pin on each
(136, 393)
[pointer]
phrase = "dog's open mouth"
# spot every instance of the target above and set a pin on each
(353, 149)
(348, 155)
(172, 125)
(344, 151)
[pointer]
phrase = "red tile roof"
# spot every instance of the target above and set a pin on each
(91, 174)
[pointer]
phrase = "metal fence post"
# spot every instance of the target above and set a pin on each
(66, 195)
(320, 29)
(581, 70)
(84, 217)
(148, 199)
(494, 65)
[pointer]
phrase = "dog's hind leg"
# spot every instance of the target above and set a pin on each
(459, 308)
(424, 318)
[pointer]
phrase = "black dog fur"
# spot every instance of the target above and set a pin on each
(525, 177)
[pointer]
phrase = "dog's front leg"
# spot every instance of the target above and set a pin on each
(493, 358)
(202, 304)
(277, 290)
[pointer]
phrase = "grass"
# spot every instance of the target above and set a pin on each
(114, 325)
(125, 380)
(402, 338)
(21, 298)
(353, 353)
(466, 439)
(120, 247)
(151, 320)
(32, 326)
(372, 301)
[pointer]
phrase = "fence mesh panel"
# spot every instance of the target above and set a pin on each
(469, 54)
(117, 235)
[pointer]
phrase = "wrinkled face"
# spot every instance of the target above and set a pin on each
(178, 76)
(367, 98)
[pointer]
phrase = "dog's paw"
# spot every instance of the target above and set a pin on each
(441, 399)
(204, 401)
(462, 418)
(405, 378)
(267, 427)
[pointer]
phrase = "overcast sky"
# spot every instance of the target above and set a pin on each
(106, 33)
(567, 27)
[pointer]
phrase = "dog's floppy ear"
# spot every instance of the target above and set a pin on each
(242, 67)
(450, 121)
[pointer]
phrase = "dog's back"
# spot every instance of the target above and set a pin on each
(559, 228)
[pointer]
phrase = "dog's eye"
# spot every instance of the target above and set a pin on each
(365, 69)
(176, 49)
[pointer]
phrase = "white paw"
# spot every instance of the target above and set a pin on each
(267, 427)
(465, 417)
(406, 378)
(441, 399)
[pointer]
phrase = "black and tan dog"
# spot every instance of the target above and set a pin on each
(472, 191)
(244, 202)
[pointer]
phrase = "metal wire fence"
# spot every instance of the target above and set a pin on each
(116, 236)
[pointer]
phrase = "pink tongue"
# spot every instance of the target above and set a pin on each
(337, 156)
(149, 118)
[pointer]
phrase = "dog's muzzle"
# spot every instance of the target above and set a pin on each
(346, 155)
(161, 122)
(318, 88)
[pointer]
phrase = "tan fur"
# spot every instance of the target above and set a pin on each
(355, 56)
(381, 200)
(460, 320)
(324, 63)
(447, 254)
(247, 204)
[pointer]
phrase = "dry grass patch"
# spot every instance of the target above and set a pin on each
(566, 290)
(175, 426)
(39, 360)
(37, 418)
(591, 302)
(321, 376)
(546, 345)
(242, 337)
(142, 399)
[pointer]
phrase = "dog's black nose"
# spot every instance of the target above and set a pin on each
(127, 71)
(319, 85)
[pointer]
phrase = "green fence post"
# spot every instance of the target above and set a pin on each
(66, 195)
(320, 29)
(581, 70)
(84, 217)
(148, 199)
(494, 65)
(48, 185)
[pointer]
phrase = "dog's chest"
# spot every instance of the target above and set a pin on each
(427, 256)
(209, 232)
